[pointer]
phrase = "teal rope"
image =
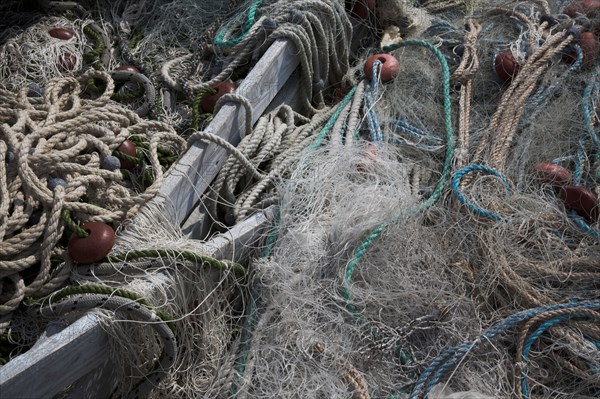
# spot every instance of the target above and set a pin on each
(220, 38)
(323, 133)
(437, 193)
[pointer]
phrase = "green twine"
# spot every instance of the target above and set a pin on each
(110, 291)
(72, 225)
(220, 37)
(196, 116)
(188, 255)
(91, 56)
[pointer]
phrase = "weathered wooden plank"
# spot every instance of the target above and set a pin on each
(194, 171)
(77, 350)
(53, 364)
(197, 225)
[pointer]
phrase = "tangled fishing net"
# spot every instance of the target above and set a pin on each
(437, 231)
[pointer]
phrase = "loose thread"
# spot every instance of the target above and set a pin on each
(362, 248)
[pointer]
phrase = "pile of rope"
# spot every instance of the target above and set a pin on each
(59, 171)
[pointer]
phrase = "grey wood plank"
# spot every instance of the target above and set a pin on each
(194, 171)
(55, 362)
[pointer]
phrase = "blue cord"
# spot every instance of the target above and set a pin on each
(374, 127)
(531, 340)
(447, 360)
(479, 168)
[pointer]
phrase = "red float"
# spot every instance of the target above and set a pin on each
(128, 147)
(209, 101)
(584, 201)
(506, 66)
(591, 8)
(362, 8)
(552, 174)
(389, 67)
(590, 48)
(127, 68)
(95, 246)
(61, 33)
(67, 62)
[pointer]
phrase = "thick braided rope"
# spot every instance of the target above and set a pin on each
(464, 74)
(63, 135)
(504, 123)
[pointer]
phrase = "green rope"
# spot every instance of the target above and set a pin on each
(188, 255)
(220, 37)
(196, 116)
(72, 225)
(105, 290)
(93, 87)
(437, 193)
(329, 125)
(126, 157)
(92, 56)
(148, 177)
(165, 156)
(128, 97)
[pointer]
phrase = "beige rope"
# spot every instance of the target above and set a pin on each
(464, 74)
(502, 129)
(64, 134)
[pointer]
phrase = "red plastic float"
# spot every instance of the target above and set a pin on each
(208, 102)
(584, 201)
(61, 33)
(588, 42)
(67, 62)
(590, 8)
(506, 66)
(95, 246)
(128, 147)
(552, 174)
(388, 70)
(127, 68)
(362, 8)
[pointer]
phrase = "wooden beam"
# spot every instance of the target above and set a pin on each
(56, 361)
(196, 169)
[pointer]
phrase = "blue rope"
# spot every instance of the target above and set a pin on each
(531, 340)
(371, 92)
(591, 90)
(586, 228)
(447, 360)
(477, 168)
